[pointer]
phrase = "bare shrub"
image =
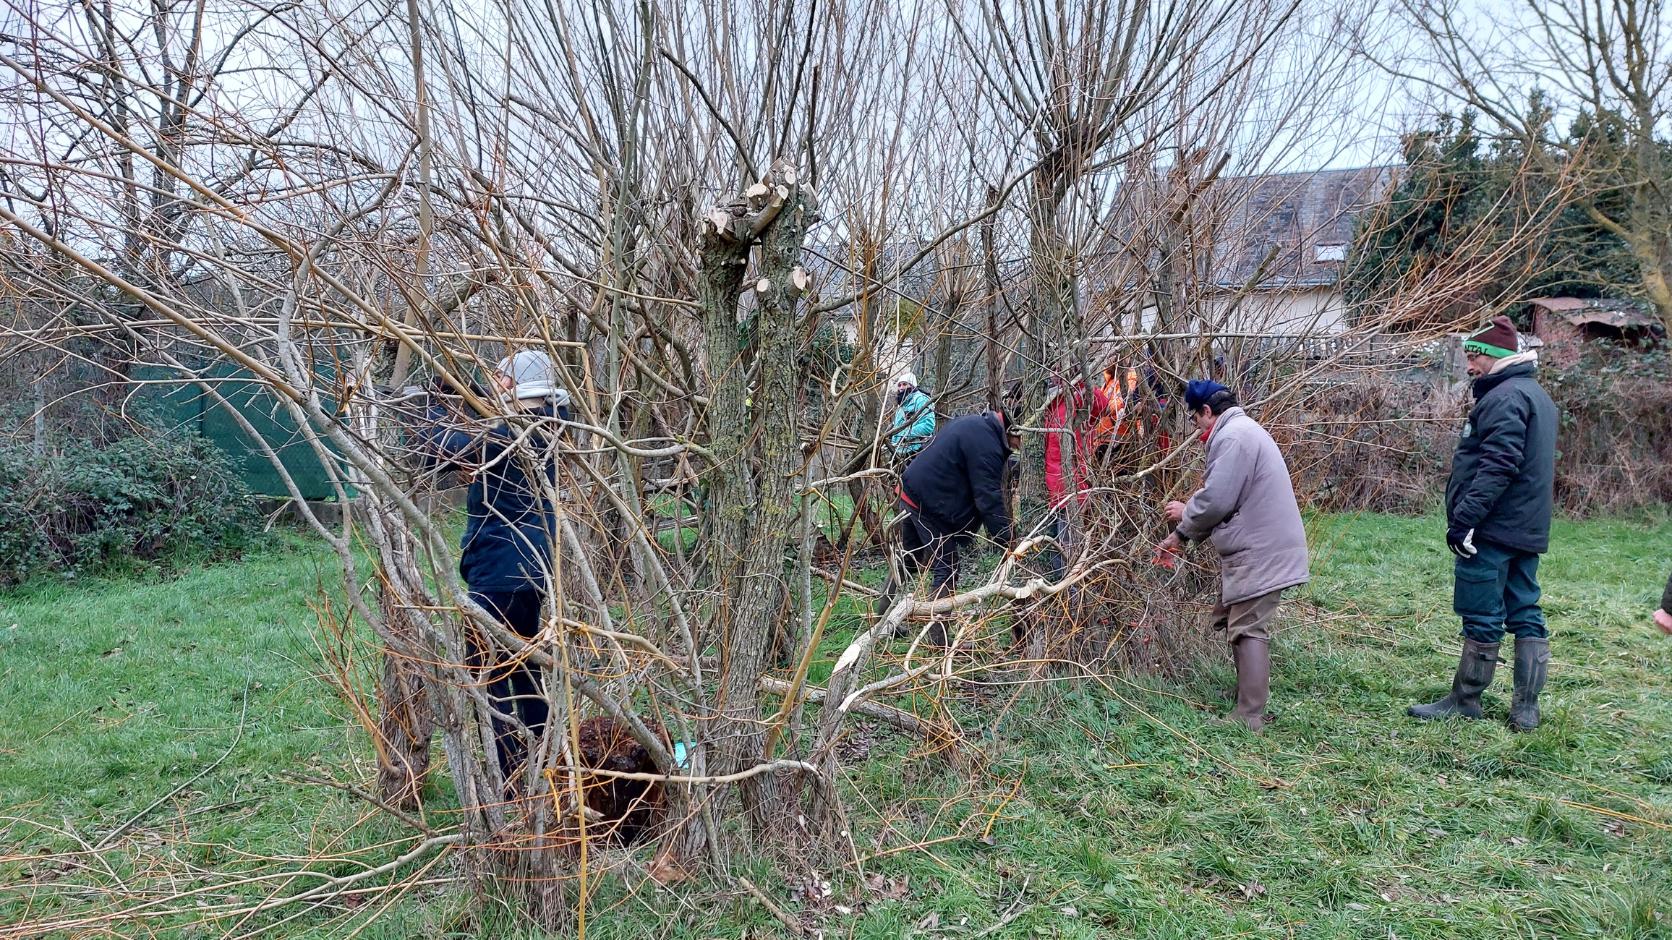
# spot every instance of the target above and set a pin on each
(1373, 445)
(1614, 450)
(1385, 446)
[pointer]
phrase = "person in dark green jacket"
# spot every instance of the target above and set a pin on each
(1499, 501)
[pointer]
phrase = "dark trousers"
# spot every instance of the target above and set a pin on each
(1497, 590)
(513, 687)
(925, 547)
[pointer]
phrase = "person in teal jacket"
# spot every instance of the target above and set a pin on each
(914, 417)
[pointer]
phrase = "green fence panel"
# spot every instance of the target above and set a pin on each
(180, 404)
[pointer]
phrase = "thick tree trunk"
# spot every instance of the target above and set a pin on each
(1654, 257)
(760, 597)
(1051, 327)
(995, 300)
(871, 412)
(751, 489)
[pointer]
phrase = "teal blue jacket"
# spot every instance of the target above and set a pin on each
(914, 424)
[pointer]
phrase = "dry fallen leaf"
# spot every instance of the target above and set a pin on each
(665, 871)
(891, 889)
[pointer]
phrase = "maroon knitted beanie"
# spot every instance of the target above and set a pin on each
(1497, 339)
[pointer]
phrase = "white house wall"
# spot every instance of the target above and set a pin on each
(1286, 312)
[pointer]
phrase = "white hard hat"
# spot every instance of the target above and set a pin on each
(532, 370)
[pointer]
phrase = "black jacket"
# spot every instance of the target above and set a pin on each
(957, 483)
(1503, 476)
(1666, 597)
(510, 524)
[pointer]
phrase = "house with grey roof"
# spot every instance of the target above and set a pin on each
(1278, 260)
(1257, 254)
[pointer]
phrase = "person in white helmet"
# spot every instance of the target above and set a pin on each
(914, 417)
(506, 553)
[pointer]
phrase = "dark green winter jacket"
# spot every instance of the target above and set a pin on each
(1503, 476)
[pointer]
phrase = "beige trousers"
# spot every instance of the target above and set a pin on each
(1249, 618)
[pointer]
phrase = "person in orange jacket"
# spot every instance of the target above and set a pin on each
(1103, 434)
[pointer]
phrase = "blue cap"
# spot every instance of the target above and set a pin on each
(1197, 393)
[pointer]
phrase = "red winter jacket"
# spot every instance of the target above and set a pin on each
(1057, 417)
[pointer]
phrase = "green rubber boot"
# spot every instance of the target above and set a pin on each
(1474, 673)
(1532, 664)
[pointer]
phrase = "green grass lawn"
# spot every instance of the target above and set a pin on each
(1105, 808)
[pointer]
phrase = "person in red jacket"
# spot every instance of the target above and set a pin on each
(1073, 413)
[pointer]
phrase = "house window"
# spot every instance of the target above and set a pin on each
(1321, 253)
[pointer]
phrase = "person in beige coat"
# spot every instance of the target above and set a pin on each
(1246, 508)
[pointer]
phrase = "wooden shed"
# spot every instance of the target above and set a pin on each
(1566, 324)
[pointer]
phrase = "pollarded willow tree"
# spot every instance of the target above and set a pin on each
(1087, 94)
(625, 188)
